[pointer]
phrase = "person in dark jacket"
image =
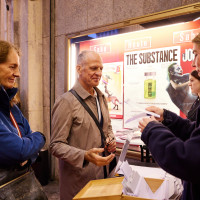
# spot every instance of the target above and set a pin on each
(175, 142)
(19, 145)
(194, 84)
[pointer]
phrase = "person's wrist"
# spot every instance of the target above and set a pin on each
(85, 161)
(164, 115)
(86, 157)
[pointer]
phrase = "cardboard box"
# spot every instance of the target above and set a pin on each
(104, 189)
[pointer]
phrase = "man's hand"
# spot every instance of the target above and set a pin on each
(93, 156)
(143, 122)
(110, 145)
(156, 110)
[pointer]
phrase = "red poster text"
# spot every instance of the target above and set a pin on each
(139, 43)
(185, 36)
(101, 48)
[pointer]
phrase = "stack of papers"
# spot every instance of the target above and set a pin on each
(135, 141)
(149, 182)
(122, 134)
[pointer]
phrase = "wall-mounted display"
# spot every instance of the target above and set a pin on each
(147, 67)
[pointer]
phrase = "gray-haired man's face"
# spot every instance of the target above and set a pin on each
(90, 73)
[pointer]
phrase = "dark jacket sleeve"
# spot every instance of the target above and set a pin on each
(177, 157)
(181, 128)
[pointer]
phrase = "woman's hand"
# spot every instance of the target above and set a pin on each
(143, 122)
(156, 110)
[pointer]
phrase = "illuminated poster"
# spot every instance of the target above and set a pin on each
(154, 68)
(111, 86)
(151, 71)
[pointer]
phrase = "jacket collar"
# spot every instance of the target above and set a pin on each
(83, 93)
(6, 96)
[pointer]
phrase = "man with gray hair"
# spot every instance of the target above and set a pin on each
(76, 139)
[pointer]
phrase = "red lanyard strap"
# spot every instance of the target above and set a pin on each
(19, 133)
(15, 124)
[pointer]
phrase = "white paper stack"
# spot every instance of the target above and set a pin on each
(149, 182)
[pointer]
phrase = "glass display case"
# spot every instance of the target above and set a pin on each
(143, 60)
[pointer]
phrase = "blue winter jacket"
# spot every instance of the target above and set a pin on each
(13, 149)
(175, 145)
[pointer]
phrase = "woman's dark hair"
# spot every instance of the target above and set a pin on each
(194, 73)
(5, 48)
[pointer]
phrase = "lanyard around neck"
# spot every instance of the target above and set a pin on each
(15, 124)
